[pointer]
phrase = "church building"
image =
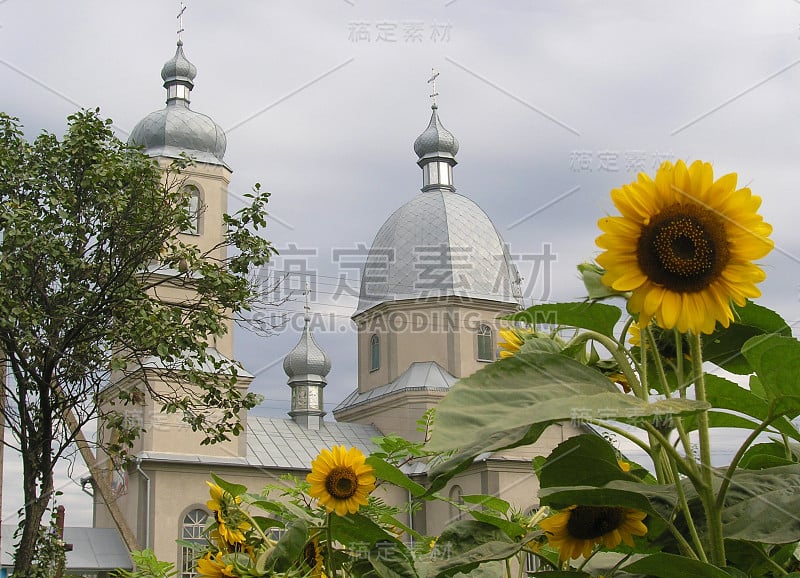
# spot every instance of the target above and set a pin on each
(437, 277)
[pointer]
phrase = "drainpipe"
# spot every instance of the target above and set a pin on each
(411, 518)
(147, 503)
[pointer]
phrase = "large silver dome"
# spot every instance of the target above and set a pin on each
(438, 244)
(176, 128)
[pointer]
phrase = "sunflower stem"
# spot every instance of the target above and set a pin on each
(329, 547)
(615, 350)
(619, 431)
(713, 513)
(656, 453)
(662, 377)
(726, 479)
(691, 473)
(700, 552)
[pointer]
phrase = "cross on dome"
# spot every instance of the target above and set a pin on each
(180, 21)
(432, 81)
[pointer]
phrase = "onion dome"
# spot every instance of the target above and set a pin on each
(307, 362)
(176, 128)
(439, 243)
(436, 140)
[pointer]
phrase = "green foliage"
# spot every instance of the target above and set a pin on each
(88, 245)
(146, 565)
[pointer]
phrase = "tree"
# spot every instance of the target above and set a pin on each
(88, 228)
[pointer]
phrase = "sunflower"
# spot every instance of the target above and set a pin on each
(684, 246)
(575, 531)
(313, 557)
(512, 341)
(341, 480)
(213, 566)
(231, 523)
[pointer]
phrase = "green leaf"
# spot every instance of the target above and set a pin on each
(394, 475)
(592, 276)
(776, 361)
(766, 455)
(465, 545)
(392, 559)
(663, 565)
(762, 505)
(724, 346)
(510, 529)
(290, 546)
(357, 529)
(659, 500)
(233, 489)
(584, 460)
(593, 316)
(491, 502)
(519, 396)
(724, 394)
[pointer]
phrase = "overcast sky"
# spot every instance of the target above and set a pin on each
(553, 102)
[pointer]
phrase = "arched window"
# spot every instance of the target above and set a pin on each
(194, 206)
(192, 531)
(485, 343)
(374, 352)
(456, 496)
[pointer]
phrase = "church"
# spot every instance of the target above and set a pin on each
(437, 278)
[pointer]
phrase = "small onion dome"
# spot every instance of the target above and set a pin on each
(177, 129)
(178, 68)
(307, 361)
(436, 140)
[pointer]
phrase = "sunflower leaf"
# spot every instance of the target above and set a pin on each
(490, 502)
(776, 361)
(394, 475)
(289, 547)
(724, 346)
(358, 531)
(467, 545)
(233, 489)
(584, 460)
(663, 565)
(724, 394)
(521, 395)
(761, 505)
(391, 559)
(592, 316)
(659, 500)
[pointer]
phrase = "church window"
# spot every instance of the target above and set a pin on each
(456, 499)
(194, 207)
(374, 353)
(485, 343)
(192, 531)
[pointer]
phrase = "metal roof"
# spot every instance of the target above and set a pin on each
(440, 243)
(93, 549)
(420, 375)
(282, 443)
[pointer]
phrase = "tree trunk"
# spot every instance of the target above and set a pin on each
(101, 484)
(35, 507)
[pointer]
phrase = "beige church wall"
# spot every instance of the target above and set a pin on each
(442, 330)
(396, 414)
(167, 431)
(179, 488)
